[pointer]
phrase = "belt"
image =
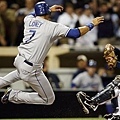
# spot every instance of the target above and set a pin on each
(29, 63)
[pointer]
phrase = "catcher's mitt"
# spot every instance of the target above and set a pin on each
(110, 56)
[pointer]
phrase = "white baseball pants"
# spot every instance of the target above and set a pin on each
(35, 78)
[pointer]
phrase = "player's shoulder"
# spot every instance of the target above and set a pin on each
(29, 16)
(97, 76)
(83, 74)
(54, 24)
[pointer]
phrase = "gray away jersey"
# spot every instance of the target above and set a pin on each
(39, 35)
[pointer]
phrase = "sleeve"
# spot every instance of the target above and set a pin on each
(61, 30)
(74, 33)
(76, 81)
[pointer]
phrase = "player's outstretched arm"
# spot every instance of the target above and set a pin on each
(56, 8)
(77, 32)
(96, 21)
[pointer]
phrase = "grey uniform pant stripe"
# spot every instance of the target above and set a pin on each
(41, 87)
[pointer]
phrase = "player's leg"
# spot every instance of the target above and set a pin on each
(100, 98)
(43, 95)
(9, 78)
(116, 114)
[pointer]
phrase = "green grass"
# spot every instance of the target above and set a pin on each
(60, 119)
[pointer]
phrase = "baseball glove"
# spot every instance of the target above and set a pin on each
(110, 56)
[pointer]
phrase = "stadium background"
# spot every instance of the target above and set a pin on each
(63, 55)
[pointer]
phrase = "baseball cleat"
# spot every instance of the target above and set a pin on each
(82, 97)
(86, 102)
(5, 97)
(115, 117)
(108, 116)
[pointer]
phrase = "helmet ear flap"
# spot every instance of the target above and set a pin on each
(42, 8)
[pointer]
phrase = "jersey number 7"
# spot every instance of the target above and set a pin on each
(32, 35)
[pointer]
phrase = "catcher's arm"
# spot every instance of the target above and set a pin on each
(112, 56)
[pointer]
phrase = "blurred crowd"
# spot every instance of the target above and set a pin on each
(87, 76)
(76, 13)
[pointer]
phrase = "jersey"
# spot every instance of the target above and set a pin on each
(39, 35)
(85, 82)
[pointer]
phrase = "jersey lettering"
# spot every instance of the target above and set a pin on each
(35, 23)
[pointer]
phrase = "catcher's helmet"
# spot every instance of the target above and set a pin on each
(42, 8)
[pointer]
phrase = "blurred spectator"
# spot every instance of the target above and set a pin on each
(78, 12)
(20, 28)
(107, 30)
(81, 65)
(110, 75)
(102, 72)
(91, 36)
(54, 2)
(8, 18)
(2, 33)
(20, 14)
(52, 77)
(88, 80)
(68, 18)
(29, 7)
(94, 7)
(14, 7)
(116, 9)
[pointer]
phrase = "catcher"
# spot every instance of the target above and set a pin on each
(112, 90)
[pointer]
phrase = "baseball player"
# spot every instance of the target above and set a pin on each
(39, 35)
(112, 90)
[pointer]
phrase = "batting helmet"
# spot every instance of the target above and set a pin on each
(42, 8)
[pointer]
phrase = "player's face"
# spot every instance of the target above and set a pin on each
(82, 64)
(91, 70)
(69, 10)
(88, 12)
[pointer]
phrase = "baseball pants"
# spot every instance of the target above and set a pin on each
(35, 77)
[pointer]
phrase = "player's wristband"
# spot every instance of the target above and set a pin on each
(90, 25)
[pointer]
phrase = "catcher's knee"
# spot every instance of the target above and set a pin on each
(116, 81)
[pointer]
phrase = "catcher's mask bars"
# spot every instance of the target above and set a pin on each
(42, 8)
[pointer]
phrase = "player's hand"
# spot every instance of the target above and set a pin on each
(98, 20)
(56, 8)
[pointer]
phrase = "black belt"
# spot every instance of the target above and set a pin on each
(29, 63)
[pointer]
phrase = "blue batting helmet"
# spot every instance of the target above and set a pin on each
(42, 8)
